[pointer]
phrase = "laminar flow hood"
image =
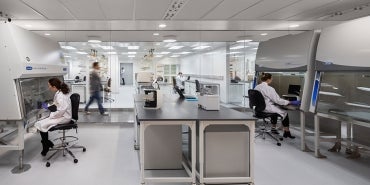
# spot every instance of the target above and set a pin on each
(24, 55)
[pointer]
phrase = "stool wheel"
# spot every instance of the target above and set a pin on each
(47, 164)
(75, 161)
(279, 144)
(84, 149)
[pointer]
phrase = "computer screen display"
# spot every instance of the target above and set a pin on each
(294, 89)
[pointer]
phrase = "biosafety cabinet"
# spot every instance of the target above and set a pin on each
(291, 61)
(341, 89)
(27, 61)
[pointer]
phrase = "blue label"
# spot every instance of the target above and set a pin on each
(64, 69)
(28, 67)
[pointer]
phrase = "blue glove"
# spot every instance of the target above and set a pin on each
(44, 105)
(297, 102)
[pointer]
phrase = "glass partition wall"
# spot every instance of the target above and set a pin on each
(241, 55)
(227, 67)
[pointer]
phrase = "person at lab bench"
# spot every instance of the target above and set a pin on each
(60, 112)
(95, 90)
(180, 81)
(272, 101)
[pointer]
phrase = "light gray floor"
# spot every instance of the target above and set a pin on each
(110, 160)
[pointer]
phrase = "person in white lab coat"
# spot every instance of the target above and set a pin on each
(272, 101)
(61, 112)
(180, 81)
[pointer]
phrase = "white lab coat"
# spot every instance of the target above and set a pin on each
(61, 116)
(180, 80)
(272, 98)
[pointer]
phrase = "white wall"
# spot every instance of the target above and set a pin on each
(211, 63)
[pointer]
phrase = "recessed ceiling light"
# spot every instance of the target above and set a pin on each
(294, 26)
(94, 41)
(81, 53)
(158, 56)
(165, 53)
(185, 53)
(246, 40)
(131, 53)
(68, 47)
(47, 34)
(111, 53)
(28, 25)
(254, 48)
(201, 47)
(175, 56)
(131, 56)
(169, 40)
(162, 25)
(176, 47)
(158, 44)
(106, 47)
(263, 34)
(155, 34)
(132, 47)
(231, 53)
(66, 56)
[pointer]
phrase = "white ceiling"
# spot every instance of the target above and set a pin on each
(218, 20)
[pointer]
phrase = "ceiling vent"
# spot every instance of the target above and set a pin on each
(174, 8)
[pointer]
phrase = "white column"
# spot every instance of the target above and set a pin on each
(114, 72)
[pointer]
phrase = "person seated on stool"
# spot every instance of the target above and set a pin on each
(272, 98)
(180, 81)
(60, 112)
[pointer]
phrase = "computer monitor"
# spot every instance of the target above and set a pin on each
(294, 89)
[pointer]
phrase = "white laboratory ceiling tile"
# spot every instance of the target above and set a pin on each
(263, 8)
(296, 8)
(117, 9)
(151, 9)
(18, 10)
(228, 8)
(324, 12)
(350, 15)
(51, 10)
(84, 9)
(196, 9)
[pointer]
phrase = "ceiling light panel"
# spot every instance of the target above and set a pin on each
(176, 47)
(133, 47)
(68, 47)
(201, 47)
(106, 47)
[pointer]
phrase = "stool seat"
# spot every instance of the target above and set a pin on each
(65, 126)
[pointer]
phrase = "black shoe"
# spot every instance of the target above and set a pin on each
(45, 148)
(287, 134)
(274, 131)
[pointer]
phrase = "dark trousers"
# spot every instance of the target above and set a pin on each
(95, 96)
(44, 136)
(123, 81)
(285, 121)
